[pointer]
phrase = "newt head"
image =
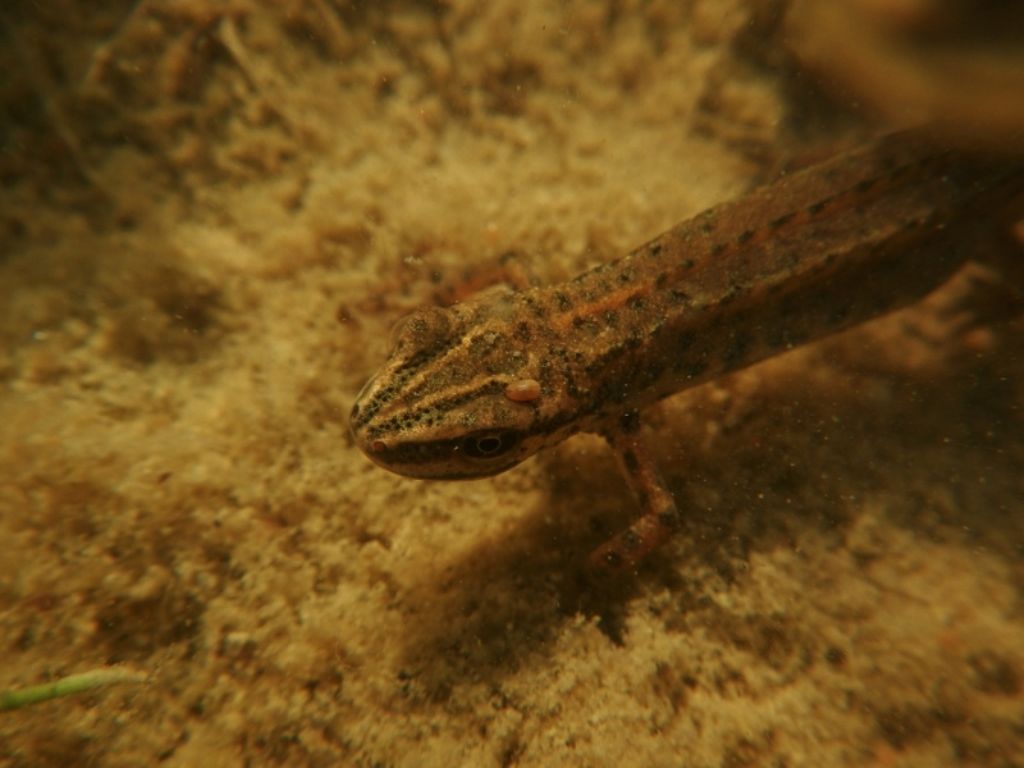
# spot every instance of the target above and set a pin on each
(457, 397)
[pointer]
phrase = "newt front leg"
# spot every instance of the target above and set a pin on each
(659, 517)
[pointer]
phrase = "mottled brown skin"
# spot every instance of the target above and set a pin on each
(474, 389)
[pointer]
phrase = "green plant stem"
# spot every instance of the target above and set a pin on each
(66, 686)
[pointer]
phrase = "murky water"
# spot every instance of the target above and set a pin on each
(213, 215)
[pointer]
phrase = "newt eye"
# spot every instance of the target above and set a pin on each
(487, 445)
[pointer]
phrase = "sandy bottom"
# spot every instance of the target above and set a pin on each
(212, 215)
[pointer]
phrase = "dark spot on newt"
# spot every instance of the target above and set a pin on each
(630, 460)
(864, 185)
(629, 422)
(782, 220)
(536, 307)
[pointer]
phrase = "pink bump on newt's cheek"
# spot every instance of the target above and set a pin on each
(523, 390)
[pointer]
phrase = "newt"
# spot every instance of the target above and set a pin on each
(471, 390)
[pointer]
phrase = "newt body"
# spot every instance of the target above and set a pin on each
(474, 389)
